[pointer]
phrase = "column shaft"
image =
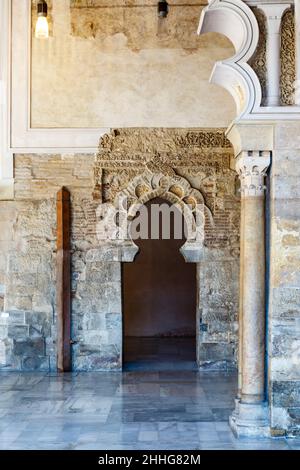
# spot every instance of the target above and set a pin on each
(273, 14)
(252, 167)
(251, 414)
(240, 347)
(253, 289)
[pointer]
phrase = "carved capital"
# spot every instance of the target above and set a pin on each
(274, 15)
(252, 168)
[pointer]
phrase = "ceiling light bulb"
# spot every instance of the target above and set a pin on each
(42, 27)
(163, 9)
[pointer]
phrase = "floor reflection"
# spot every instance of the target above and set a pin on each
(133, 410)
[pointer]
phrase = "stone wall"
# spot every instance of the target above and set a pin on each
(284, 294)
(28, 243)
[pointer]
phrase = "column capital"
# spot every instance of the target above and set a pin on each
(274, 13)
(252, 167)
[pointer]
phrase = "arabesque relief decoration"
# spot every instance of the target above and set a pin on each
(179, 193)
(190, 168)
(287, 58)
(258, 61)
(126, 153)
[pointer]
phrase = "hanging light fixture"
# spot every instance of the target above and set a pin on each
(163, 9)
(42, 27)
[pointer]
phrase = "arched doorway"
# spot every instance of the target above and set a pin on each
(159, 297)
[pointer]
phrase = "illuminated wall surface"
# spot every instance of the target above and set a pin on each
(121, 66)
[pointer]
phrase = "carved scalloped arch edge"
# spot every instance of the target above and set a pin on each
(235, 20)
(154, 185)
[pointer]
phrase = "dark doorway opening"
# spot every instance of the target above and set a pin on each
(159, 302)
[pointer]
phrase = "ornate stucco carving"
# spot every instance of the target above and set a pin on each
(258, 61)
(287, 58)
(154, 140)
(287, 55)
(177, 190)
(186, 167)
(126, 153)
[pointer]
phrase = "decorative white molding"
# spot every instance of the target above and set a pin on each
(235, 19)
(16, 134)
(6, 158)
(23, 137)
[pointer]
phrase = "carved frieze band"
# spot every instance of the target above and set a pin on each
(189, 168)
(126, 153)
(155, 140)
(252, 168)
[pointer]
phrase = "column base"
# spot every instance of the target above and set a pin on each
(250, 420)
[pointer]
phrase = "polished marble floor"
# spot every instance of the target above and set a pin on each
(159, 354)
(134, 410)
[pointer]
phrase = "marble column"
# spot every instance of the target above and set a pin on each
(240, 348)
(297, 49)
(273, 12)
(250, 416)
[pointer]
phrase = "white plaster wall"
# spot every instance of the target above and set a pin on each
(127, 75)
